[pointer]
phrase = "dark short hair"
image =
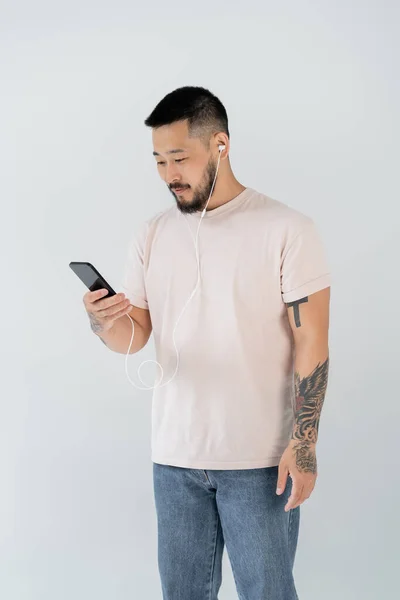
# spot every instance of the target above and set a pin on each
(205, 113)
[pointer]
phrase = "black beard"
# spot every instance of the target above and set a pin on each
(201, 195)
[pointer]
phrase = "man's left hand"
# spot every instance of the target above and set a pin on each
(300, 462)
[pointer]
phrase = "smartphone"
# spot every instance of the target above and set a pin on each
(90, 276)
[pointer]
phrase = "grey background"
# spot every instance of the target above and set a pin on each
(312, 94)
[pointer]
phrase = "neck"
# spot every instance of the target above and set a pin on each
(224, 191)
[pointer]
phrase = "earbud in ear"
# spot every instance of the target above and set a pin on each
(221, 147)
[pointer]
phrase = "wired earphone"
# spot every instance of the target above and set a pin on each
(221, 147)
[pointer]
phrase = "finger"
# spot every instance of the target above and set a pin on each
(113, 309)
(126, 310)
(282, 478)
(104, 303)
(302, 498)
(296, 494)
(98, 294)
(308, 487)
(311, 487)
(106, 297)
(91, 297)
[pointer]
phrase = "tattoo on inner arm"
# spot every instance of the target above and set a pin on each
(310, 393)
(96, 327)
(296, 309)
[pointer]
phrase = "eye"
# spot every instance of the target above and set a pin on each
(178, 160)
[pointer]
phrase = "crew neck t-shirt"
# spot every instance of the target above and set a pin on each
(231, 402)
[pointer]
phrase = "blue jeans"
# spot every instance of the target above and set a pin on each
(200, 511)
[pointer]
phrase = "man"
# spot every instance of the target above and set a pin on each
(234, 433)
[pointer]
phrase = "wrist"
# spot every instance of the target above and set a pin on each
(295, 441)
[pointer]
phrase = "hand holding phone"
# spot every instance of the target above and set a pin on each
(102, 311)
(103, 305)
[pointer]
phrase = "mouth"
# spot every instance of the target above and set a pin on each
(179, 191)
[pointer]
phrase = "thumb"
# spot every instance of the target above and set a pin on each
(282, 478)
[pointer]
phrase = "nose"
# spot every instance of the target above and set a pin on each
(172, 175)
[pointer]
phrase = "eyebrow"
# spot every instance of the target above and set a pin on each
(175, 151)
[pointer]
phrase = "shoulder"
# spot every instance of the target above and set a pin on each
(282, 219)
(278, 212)
(145, 232)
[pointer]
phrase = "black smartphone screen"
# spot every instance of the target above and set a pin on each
(90, 276)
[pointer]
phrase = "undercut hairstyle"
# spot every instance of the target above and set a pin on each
(205, 113)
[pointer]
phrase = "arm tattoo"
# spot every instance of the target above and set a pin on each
(310, 393)
(296, 310)
(96, 327)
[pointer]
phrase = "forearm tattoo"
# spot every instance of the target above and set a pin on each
(96, 327)
(309, 393)
(296, 309)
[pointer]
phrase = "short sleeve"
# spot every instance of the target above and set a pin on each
(133, 276)
(304, 266)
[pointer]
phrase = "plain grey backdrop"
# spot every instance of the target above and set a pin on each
(312, 95)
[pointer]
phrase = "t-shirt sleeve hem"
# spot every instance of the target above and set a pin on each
(308, 288)
(139, 302)
(134, 299)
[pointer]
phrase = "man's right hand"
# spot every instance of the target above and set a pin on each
(103, 312)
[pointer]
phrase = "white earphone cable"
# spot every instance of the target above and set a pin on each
(221, 147)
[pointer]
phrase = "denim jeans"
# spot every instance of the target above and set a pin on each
(200, 511)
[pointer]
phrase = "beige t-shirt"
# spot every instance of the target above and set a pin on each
(231, 403)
